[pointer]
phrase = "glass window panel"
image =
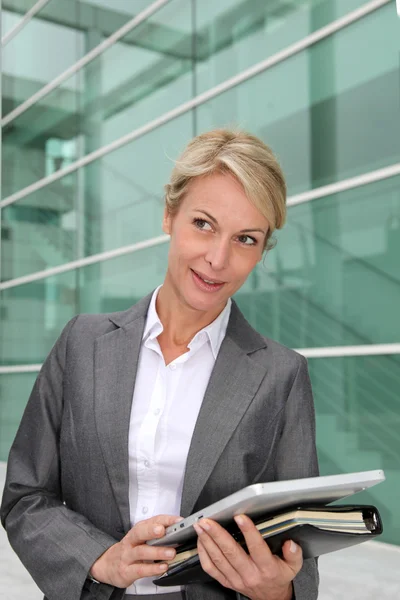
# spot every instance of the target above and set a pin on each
(33, 315)
(145, 74)
(14, 394)
(112, 202)
(25, 72)
(12, 13)
(358, 426)
(41, 230)
(76, 26)
(323, 110)
(334, 277)
(121, 6)
(234, 35)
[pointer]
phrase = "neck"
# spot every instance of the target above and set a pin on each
(180, 321)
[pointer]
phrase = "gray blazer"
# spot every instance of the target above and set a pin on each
(66, 494)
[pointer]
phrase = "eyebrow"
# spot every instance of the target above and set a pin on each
(214, 220)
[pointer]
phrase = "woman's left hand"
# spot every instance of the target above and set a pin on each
(259, 575)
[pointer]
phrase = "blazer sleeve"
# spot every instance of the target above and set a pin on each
(57, 545)
(296, 457)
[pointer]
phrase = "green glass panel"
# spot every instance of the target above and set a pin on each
(14, 393)
(119, 283)
(358, 426)
(33, 315)
(323, 111)
(112, 202)
(233, 35)
(334, 276)
(25, 72)
(146, 73)
(41, 230)
(73, 25)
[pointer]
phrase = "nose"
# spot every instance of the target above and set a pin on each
(217, 254)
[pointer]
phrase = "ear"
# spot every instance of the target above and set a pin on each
(167, 221)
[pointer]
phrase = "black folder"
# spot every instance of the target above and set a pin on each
(317, 530)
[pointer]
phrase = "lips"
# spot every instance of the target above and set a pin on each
(206, 284)
(208, 280)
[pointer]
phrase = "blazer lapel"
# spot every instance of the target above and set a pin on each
(234, 381)
(116, 361)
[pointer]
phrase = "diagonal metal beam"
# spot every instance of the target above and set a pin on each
(28, 16)
(83, 17)
(85, 60)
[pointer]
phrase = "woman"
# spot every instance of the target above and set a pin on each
(167, 407)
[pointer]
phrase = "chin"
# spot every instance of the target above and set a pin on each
(205, 304)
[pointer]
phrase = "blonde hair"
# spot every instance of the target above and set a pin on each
(244, 156)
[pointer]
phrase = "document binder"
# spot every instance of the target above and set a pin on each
(316, 529)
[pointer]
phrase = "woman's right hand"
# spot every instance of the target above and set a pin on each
(128, 560)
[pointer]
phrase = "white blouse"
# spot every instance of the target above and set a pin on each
(165, 407)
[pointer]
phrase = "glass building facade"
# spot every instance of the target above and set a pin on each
(99, 97)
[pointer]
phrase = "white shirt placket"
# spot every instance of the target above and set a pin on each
(147, 491)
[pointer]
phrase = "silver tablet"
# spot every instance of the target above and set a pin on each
(255, 500)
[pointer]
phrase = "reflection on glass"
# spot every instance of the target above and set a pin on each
(324, 114)
(232, 35)
(24, 72)
(76, 26)
(12, 14)
(358, 426)
(42, 229)
(334, 277)
(32, 315)
(14, 394)
(112, 202)
(146, 73)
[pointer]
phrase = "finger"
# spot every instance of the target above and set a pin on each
(209, 567)
(151, 529)
(293, 556)
(256, 545)
(218, 536)
(224, 552)
(151, 553)
(139, 570)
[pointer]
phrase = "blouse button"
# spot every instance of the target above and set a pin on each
(172, 366)
(145, 509)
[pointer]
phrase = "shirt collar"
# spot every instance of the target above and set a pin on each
(215, 331)
(153, 326)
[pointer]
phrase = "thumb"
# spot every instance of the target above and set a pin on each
(293, 556)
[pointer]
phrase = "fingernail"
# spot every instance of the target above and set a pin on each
(239, 520)
(178, 519)
(170, 553)
(293, 547)
(158, 529)
(198, 529)
(163, 567)
(205, 525)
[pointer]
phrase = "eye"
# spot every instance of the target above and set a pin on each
(247, 240)
(202, 224)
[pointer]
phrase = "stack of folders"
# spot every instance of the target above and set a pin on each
(317, 529)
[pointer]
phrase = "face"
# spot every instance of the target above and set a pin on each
(217, 238)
